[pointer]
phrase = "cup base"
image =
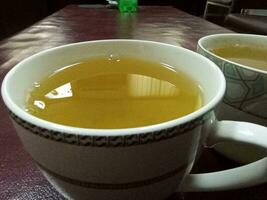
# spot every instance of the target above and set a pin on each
(158, 191)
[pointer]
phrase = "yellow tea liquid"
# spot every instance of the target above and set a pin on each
(107, 92)
(246, 55)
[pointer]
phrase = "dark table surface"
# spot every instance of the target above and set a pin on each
(19, 177)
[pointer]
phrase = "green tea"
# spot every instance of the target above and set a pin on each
(246, 55)
(114, 92)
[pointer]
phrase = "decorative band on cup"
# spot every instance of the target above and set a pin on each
(111, 141)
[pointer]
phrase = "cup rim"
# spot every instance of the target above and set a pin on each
(209, 37)
(21, 113)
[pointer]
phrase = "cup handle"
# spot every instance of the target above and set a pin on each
(240, 177)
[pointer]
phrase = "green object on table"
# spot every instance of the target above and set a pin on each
(127, 6)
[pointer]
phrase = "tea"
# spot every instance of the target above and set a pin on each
(245, 55)
(114, 92)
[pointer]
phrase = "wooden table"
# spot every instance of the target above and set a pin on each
(19, 177)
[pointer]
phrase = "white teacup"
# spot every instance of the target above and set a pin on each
(150, 162)
(246, 90)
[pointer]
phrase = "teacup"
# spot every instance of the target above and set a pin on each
(150, 162)
(246, 90)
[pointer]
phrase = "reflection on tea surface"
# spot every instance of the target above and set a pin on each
(114, 93)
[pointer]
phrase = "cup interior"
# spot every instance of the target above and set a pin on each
(229, 39)
(20, 79)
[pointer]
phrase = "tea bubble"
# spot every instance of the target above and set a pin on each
(36, 84)
(39, 104)
(54, 92)
(114, 57)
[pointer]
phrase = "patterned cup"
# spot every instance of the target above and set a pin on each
(246, 90)
(148, 162)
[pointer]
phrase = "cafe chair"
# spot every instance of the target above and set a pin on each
(248, 17)
(213, 6)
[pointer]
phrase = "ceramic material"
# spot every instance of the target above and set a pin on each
(246, 94)
(148, 162)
